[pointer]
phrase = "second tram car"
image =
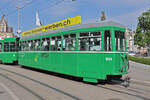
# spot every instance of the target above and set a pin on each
(93, 52)
(9, 50)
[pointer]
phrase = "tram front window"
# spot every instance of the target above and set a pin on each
(107, 41)
(120, 40)
(12, 46)
(6, 47)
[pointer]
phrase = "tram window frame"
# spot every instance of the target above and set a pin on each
(1, 47)
(120, 40)
(12, 46)
(44, 46)
(56, 43)
(20, 46)
(37, 46)
(107, 46)
(69, 42)
(88, 41)
(6, 47)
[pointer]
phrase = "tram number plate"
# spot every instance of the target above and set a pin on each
(108, 59)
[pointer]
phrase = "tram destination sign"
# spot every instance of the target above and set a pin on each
(56, 25)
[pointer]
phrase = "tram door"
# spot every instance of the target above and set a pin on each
(108, 57)
(107, 41)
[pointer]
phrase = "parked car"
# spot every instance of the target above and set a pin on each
(131, 53)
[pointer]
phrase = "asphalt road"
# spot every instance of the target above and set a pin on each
(139, 71)
(27, 84)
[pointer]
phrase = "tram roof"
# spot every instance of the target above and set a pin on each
(78, 26)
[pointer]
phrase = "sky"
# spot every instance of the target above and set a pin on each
(125, 12)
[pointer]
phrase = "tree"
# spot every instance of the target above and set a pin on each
(144, 21)
(139, 39)
(142, 37)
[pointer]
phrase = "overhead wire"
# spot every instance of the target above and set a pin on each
(32, 2)
(27, 4)
(54, 4)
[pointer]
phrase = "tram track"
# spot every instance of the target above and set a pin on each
(35, 81)
(115, 88)
(22, 86)
(131, 90)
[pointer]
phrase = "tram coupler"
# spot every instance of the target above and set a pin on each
(126, 81)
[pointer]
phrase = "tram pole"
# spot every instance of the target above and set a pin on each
(18, 30)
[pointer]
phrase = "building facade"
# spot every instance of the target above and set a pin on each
(5, 30)
(130, 40)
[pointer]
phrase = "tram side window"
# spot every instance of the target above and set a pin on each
(12, 46)
(69, 42)
(37, 45)
(95, 41)
(22, 46)
(26, 46)
(56, 43)
(30, 45)
(84, 41)
(107, 41)
(0, 47)
(6, 46)
(120, 40)
(45, 44)
(90, 41)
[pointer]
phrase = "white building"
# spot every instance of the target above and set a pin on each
(130, 40)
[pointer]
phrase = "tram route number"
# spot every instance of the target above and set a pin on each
(108, 59)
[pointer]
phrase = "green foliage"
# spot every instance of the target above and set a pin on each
(147, 36)
(140, 40)
(144, 21)
(140, 60)
(142, 36)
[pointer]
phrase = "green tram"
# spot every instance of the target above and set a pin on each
(9, 50)
(93, 52)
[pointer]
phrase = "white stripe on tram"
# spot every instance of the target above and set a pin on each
(66, 52)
